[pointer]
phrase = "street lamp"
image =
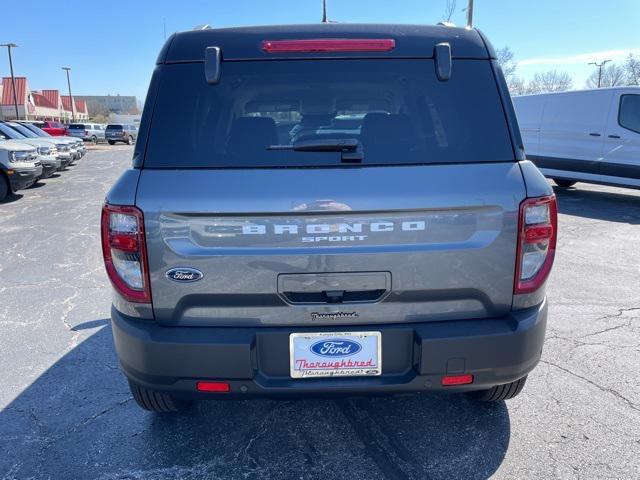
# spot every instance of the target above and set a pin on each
(13, 80)
(599, 66)
(73, 111)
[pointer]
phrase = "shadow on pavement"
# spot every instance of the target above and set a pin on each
(13, 197)
(599, 204)
(78, 420)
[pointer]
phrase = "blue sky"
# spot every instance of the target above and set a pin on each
(112, 46)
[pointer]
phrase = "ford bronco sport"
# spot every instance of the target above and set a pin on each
(328, 209)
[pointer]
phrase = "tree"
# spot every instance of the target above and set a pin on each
(550, 81)
(517, 86)
(612, 76)
(449, 10)
(505, 58)
(632, 70)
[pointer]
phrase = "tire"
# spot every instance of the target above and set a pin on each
(564, 183)
(130, 140)
(111, 142)
(499, 392)
(5, 189)
(155, 401)
(94, 140)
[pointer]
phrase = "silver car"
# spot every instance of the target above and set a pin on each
(89, 132)
(352, 214)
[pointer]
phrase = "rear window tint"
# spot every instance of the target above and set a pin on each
(76, 126)
(397, 109)
(114, 127)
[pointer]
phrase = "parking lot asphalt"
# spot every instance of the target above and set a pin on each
(66, 411)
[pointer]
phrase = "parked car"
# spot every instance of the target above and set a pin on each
(53, 128)
(116, 132)
(19, 166)
(406, 252)
(46, 151)
(89, 132)
(71, 147)
(588, 136)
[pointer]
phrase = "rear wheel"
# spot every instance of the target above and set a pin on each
(111, 142)
(564, 183)
(156, 401)
(94, 140)
(4, 187)
(499, 392)
(130, 140)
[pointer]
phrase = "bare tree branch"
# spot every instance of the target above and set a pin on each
(449, 10)
(612, 76)
(551, 81)
(505, 59)
(632, 70)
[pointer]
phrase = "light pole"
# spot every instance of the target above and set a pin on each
(599, 65)
(13, 80)
(73, 111)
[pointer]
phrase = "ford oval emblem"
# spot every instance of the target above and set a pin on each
(184, 274)
(336, 348)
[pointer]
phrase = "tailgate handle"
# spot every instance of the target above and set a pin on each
(332, 288)
(334, 296)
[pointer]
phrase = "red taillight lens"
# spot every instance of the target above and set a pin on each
(537, 235)
(329, 45)
(213, 387)
(450, 380)
(86, 133)
(124, 251)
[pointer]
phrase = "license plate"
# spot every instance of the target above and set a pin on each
(335, 354)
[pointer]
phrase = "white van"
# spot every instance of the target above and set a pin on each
(585, 135)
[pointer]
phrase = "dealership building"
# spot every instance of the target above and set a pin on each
(38, 104)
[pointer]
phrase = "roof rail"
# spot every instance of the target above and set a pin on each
(204, 26)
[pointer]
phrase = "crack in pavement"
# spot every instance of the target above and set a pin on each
(612, 391)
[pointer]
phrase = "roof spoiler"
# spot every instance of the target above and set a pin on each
(212, 60)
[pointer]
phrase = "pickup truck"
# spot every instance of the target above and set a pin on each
(261, 245)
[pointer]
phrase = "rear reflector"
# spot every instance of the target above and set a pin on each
(215, 387)
(329, 45)
(450, 380)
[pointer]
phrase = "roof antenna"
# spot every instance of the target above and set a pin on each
(470, 14)
(324, 11)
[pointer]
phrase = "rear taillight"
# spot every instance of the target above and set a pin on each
(537, 234)
(329, 45)
(86, 133)
(124, 251)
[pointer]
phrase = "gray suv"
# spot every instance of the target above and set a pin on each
(89, 132)
(117, 132)
(361, 220)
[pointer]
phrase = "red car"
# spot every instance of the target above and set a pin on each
(53, 128)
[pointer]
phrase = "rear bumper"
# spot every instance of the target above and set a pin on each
(255, 361)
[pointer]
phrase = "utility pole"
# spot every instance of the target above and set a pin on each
(13, 79)
(324, 11)
(73, 110)
(599, 66)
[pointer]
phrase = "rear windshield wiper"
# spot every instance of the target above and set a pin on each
(350, 148)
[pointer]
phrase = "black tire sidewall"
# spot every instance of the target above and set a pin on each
(5, 189)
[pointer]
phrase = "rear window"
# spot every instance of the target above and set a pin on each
(114, 127)
(397, 109)
(76, 126)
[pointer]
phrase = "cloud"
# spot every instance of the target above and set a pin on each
(581, 58)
